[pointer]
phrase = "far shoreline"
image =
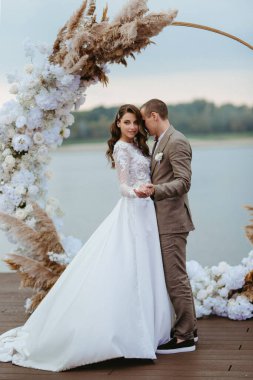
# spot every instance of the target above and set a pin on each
(196, 142)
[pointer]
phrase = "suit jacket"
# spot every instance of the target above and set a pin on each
(172, 180)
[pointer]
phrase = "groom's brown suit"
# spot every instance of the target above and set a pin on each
(171, 177)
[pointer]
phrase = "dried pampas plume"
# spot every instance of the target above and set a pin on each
(31, 260)
(84, 46)
(249, 227)
(246, 290)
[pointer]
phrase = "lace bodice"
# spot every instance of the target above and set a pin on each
(132, 167)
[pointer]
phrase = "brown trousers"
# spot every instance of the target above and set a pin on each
(173, 247)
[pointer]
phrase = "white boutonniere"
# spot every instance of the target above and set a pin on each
(159, 157)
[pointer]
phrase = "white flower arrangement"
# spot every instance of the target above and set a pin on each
(159, 157)
(212, 286)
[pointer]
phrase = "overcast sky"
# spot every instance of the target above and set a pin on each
(185, 64)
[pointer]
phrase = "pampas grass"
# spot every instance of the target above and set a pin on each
(32, 262)
(249, 227)
(84, 46)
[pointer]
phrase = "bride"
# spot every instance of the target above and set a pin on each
(111, 301)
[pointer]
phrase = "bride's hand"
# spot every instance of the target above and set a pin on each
(140, 193)
(143, 191)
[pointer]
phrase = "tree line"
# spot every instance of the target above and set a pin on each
(196, 118)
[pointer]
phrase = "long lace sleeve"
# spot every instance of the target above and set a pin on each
(122, 157)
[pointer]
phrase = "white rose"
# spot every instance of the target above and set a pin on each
(29, 68)
(66, 133)
(21, 142)
(10, 161)
(21, 121)
(6, 152)
(70, 119)
(13, 89)
(20, 213)
(38, 138)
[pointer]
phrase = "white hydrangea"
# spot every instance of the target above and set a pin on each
(21, 121)
(47, 100)
(10, 112)
(20, 189)
(23, 177)
(11, 195)
(240, 308)
(6, 205)
(33, 190)
(34, 119)
(220, 306)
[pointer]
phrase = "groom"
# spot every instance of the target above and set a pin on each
(171, 181)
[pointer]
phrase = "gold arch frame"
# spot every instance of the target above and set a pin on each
(208, 28)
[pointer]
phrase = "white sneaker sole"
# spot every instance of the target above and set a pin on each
(177, 350)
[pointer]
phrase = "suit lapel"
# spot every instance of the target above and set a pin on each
(161, 147)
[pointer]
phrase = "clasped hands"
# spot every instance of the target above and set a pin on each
(145, 191)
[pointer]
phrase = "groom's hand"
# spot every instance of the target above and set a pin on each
(150, 189)
(140, 193)
(144, 191)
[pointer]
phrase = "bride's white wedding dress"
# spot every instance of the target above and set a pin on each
(111, 300)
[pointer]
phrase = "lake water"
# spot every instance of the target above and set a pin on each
(222, 182)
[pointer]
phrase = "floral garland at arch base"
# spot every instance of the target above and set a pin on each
(37, 121)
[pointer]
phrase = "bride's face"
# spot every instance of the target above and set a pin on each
(129, 127)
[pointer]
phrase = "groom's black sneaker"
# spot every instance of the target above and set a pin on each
(195, 334)
(196, 338)
(172, 347)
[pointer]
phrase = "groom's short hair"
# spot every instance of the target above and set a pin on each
(155, 105)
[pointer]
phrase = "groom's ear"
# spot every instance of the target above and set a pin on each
(154, 115)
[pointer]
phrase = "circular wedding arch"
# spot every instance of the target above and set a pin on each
(63, 80)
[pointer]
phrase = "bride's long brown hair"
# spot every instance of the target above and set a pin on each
(140, 139)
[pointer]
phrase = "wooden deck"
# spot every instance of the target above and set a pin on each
(225, 350)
